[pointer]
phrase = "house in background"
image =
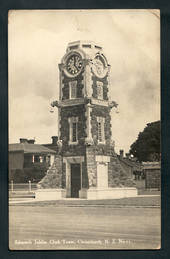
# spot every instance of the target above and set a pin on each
(29, 161)
(53, 145)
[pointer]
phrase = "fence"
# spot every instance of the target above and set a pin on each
(27, 187)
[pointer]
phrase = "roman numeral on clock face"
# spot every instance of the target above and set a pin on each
(74, 64)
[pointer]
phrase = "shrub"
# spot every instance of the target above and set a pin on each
(33, 174)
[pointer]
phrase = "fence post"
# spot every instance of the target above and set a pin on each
(29, 185)
(12, 186)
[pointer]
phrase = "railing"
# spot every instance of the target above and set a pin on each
(27, 187)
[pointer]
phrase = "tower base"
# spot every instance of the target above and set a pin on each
(107, 193)
(89, 194)
(50, 194)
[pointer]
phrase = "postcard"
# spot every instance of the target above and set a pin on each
(84, 129)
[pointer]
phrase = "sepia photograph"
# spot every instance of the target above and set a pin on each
(84, 158)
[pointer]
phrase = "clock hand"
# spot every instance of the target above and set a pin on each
(73, 68)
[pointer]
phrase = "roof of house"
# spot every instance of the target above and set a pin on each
(51, 147)
(30, 148)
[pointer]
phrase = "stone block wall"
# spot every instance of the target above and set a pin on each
(54, 176)
(85, 179)
(105, 86)
(65, 85)
(67, 112)
(153, 178)
(127, 168)
(101, 111)
(91, 167)
(117, 176)
(63, 184)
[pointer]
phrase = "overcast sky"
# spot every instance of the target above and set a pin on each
(37, 42)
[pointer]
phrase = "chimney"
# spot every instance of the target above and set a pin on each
(31, 141)
(121, 153)
(128, 155)
(23, 140)
(54, 140)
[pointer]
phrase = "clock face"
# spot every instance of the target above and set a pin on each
(74, 64)
(99, 67)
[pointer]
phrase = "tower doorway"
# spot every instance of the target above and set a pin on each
(75, 180)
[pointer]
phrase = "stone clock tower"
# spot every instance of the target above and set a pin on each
(89, 164)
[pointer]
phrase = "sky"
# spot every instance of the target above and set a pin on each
(37, 41)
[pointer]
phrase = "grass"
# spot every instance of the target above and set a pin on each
(138, 227)
(133, 201)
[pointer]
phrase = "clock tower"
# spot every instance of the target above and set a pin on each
(89, 163)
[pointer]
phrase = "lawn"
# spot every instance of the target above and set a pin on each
(133, 201)
(54, 227)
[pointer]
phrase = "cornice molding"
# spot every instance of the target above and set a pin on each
(84, 100)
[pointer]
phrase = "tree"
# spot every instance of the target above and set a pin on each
(147, 145)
